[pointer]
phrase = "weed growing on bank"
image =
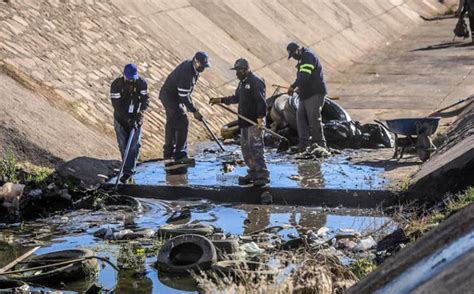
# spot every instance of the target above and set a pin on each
(420, 225)
(8, 168)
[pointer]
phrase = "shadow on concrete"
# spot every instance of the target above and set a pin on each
(88, 171)
(391, 164)
(447, 45)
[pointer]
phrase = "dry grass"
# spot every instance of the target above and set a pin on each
(306, 270)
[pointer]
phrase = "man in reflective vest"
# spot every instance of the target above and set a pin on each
(312, 90)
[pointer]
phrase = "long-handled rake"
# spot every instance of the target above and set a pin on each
(283, 143)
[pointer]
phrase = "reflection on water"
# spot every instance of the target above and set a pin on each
(233, 219)
(332, 173)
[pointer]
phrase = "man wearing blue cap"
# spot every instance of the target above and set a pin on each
(312, 91)
(129, 95)
(175, 95)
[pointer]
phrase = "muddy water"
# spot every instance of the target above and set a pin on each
(332, 173)
(75, 230)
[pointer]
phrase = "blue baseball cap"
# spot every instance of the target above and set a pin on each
(131, 72)
(203, 58)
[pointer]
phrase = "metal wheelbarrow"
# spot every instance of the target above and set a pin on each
(416, 133)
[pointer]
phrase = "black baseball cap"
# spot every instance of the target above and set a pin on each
(241, 63)
(291, 48)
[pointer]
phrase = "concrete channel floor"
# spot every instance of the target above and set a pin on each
(422, 71)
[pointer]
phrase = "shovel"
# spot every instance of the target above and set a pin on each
(212, 134)
(278, 87)
(283, 144)
(127, 150)
(437, 112)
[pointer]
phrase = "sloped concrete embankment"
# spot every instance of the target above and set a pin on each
(73, 50)
(451, 168)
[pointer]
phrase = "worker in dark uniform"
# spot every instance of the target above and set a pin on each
(129, 95)
(175, 95)
(312, 90)
(250, 95)
(468, 6)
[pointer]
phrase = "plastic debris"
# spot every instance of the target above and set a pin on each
(323, 231)
(251, 248)
(10, 190)
(365, 244)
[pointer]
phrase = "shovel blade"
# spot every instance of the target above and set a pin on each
(283, 146)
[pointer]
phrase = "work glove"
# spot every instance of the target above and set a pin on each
(197, 115)
(138, 119)
(213, 101)
(260, 123)
(291, 90)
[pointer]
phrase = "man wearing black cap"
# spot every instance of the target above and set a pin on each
(129, 95)
(175, 95)
(312, 90)
(250, 95)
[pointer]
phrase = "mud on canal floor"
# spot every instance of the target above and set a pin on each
(76, 230)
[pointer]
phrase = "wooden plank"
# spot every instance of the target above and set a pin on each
(18, 260)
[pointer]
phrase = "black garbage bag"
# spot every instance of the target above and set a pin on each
(342, 134)
(375, 135)
(351, 134)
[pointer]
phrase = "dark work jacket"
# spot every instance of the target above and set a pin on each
(250, 95)
(310, 76)
(126, 102)
(180, 84)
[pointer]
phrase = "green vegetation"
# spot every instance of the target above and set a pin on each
(38, 175)
(418, 227)
(362, 267)
(8, 168)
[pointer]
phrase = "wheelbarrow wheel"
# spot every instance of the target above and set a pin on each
(424, 147)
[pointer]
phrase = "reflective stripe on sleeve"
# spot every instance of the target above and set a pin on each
(144, 92)
(184, 90)
(115, 95)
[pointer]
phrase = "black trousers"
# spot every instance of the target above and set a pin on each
(471, 22)
(176, 129)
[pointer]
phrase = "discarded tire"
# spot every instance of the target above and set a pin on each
(186, 253)
(168, 231)
(277, 111)
(331, 111)
(13, 286)
(289, 111)
(124, 200)
(69, 272)
(230, 130)
(226, 246)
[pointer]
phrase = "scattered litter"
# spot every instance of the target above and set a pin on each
(365, 244)
(323, 231)
(251, 248)
(9, 191)
(35, 193)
